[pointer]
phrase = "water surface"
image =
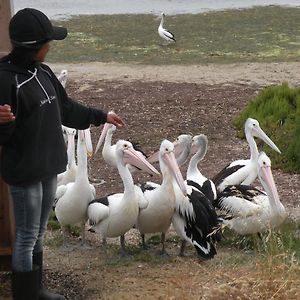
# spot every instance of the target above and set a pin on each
(66, 8)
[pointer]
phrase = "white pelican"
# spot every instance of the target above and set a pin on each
(163, 33)
(70, 174)
(157, 216)
(194, 176)
(109, 150)
(73, 198)
(244, 171)
(182, 148)
(250, 210)
(114, 215)
(63, 77)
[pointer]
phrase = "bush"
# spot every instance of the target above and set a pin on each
(277, 108)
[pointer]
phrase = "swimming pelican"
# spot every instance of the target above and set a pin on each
(73, 198)
(157, 216)
(244, 171)
(248, 210)
(114, 215)
(163, 33)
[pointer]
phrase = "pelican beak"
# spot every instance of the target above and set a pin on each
(88, 142)
(258, 132)
(102, 136)
(267, 176)
(194, 149)
(70, 148)
(170, 160)
(136, 159)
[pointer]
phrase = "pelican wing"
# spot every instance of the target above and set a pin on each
(98, 210)
(226, 172)
(239, 200)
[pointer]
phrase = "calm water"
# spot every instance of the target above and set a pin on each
(66, 8)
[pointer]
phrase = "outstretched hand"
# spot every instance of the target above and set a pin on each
(114, 119)
(5, 114)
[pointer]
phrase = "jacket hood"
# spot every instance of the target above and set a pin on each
(8, 66)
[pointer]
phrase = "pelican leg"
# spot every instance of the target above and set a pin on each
(182, 248)
(65, 246)
(163, 250)
(83, 244)
(144, 245)
(122, 243)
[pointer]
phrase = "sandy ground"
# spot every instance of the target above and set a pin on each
(143, 94)
(242, 73)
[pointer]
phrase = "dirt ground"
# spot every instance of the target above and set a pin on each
(160, 102)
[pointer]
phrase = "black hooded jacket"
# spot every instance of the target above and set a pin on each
(33, 147)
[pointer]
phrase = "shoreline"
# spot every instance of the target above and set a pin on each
(261, 74)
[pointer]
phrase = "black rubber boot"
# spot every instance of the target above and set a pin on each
(43, 293)
(25, 285)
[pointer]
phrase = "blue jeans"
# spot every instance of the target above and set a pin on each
(32, 205)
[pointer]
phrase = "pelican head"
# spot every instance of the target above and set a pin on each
(252, 127)
(62, 77)
(129, 155)
(167, 156)
(107, 129)
(199, 142)
(84, 136)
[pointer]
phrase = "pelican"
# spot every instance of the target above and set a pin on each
(157, 216)
(244, 171)
(114, 215)
(249, 210)
(194, 176)
(63, 77)
(109, 150)
(70, 174)
(182, 147)
(195, 221)
(73, 198)
(163, 33)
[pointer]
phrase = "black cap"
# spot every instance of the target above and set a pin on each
(31, 28)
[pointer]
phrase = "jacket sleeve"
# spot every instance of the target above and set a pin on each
(74, 114)
(7, 96)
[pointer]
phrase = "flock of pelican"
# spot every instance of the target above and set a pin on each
(197, 207)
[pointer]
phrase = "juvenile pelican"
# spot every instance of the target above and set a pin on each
(248, 210)
(114, 215)
(244, 171)
(164, 33)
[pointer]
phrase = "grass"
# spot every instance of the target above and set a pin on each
(257, 34)
(277, 108)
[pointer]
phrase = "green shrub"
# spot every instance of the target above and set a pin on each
(277, 108)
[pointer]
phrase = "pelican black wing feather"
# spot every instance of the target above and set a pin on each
(200, 228)
(224, 173)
